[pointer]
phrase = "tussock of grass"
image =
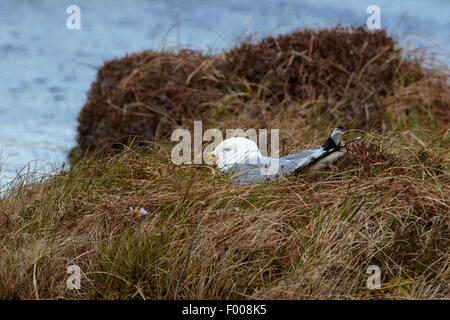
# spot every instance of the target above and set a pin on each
(311, 236)
(354, 77)
(385, 203)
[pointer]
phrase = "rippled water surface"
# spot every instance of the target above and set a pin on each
(46, 69)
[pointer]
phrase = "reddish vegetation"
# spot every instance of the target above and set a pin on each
(310, 236)
(352, 75)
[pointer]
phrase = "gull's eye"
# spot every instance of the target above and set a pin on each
(227, 149)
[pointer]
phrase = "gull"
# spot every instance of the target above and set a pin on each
(242, 159)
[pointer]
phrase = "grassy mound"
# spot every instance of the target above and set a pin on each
(311, 236)
(352, 77)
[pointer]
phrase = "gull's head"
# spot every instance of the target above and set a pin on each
(235, 150)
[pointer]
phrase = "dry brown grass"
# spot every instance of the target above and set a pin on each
(353, 77)
(312, 236)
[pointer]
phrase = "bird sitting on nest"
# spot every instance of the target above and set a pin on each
(241, 157)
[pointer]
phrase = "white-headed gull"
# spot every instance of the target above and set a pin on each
(242, 158)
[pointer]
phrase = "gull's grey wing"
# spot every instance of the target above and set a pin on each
(268, 169)
(300, 155)
(295, 161)
(330, 158)
(247, 173)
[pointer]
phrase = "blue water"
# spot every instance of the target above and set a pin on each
(46, 69)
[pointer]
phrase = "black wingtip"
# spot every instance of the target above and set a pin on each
(329, 144)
